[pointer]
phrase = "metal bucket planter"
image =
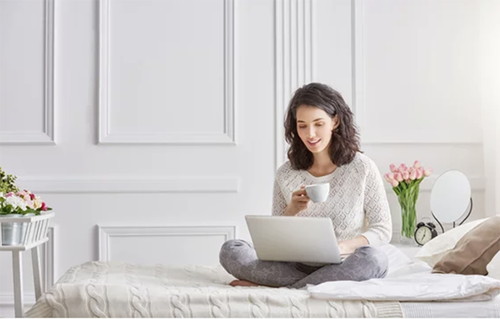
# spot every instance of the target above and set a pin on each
(12, 233)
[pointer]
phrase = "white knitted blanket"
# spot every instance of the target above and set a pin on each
(117, 289)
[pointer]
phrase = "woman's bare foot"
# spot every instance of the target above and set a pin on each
(243, 283)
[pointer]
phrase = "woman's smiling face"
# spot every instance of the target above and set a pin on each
(314, 127)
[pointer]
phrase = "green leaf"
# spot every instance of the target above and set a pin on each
(7, 182)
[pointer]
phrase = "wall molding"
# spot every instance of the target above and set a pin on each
(358, 61)
(47, 136)
(380, 135)
(61, 185)
(107, 232)
(47, 262)
(107, 136)
(294, 65)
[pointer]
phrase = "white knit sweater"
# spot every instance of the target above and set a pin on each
(357, 203)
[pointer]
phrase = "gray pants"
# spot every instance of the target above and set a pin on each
(240, 260)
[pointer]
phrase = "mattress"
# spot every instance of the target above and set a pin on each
(118, 289)
(480, 309)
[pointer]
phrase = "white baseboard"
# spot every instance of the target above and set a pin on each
(7, 303)
(7, 299)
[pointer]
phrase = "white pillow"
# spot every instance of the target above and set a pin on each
(432, 252)
(494, 267)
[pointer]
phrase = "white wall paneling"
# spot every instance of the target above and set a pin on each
(163, 244)
(10, 78)
(415, 83)
(294, 58)
(179, 97)
(108, 109)
(131, 185)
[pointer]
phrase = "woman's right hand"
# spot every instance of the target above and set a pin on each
(299, 202)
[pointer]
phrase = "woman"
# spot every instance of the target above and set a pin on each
(324, 148)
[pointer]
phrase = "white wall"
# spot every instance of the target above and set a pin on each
(169, 132)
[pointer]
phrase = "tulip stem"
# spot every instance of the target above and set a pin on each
(407, 198)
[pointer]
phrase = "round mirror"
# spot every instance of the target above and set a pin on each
(450, 196)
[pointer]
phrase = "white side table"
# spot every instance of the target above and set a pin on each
(34, 233)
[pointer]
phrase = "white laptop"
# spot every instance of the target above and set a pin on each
(294, 239)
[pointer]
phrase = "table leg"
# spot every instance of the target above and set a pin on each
(17, 262)
(35, 258)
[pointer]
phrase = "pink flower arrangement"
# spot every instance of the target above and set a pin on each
(21, 202)
(407, 174)
(405, 182)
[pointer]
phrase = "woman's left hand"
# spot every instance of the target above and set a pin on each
(343, 248)
(347, 247)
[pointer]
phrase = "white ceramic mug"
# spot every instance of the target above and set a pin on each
(318, 192)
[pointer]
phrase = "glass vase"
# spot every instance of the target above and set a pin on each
(407, 201)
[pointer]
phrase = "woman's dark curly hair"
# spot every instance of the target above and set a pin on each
(345, 138)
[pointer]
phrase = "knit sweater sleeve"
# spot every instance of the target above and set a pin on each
(376, 208)
(279, 201)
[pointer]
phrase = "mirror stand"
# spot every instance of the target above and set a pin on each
(471, 205)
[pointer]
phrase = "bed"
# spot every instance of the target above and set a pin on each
(120, 289)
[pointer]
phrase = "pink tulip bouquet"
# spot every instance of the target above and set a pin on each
(405, 182)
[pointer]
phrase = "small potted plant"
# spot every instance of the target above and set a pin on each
(16, 203)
